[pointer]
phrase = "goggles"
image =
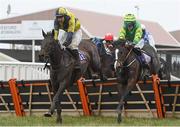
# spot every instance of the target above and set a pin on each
(129, 24)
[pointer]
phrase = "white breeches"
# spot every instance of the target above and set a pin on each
(76, 39)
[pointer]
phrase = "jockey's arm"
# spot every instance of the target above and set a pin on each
(138, 36)
(56, 29)
(122, 34)
(70, 32)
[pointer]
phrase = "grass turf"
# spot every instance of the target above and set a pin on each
(85, 121)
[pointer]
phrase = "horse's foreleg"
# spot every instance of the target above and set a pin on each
(62, 87)
(56, 101)
(121, 91)
(59, 110)
(55, 87)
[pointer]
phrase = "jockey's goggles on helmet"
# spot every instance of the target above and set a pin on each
(59, 16)
(129, 24)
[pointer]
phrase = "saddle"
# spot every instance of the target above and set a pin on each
(82, 56)
(142, 57)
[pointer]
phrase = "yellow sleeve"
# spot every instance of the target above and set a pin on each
(72, 24)
(122, 34)
(56, 32)
(138, 35)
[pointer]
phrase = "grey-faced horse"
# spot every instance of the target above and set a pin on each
(62, 67)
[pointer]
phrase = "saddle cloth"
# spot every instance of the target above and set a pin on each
(82, 56)
(147, 58)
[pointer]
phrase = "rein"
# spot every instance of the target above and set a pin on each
(121, 63)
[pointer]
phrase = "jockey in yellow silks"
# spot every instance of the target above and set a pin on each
(67, 21)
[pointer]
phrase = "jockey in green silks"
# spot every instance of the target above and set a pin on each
(132, 32)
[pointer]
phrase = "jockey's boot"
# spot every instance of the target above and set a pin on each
(76, 56)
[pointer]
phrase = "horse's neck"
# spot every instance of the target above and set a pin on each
(131, 57)
(55, 58)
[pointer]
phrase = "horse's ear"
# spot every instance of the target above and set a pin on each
(53, 32)
(44, 34)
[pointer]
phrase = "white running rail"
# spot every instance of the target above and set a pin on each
(23, 71)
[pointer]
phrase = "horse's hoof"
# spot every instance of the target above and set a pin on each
(119, 119)
(59, 121)
(47, 114)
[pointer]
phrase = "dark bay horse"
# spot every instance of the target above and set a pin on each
(62, 69)
(128, 70)
(106, 56)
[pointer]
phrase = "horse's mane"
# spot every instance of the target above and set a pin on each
(49, 33)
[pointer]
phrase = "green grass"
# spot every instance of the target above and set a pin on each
(85, 121)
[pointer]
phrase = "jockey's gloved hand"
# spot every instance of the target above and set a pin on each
(131, 44)
(66, 43)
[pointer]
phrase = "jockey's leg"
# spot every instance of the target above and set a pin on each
(142, 57)
(138, 47)
(62, 37)
(77, 36)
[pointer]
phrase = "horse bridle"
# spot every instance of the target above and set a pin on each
(117, 61)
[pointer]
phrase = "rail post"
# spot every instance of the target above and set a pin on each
(84, 98)
(158, 97)
(18, 106)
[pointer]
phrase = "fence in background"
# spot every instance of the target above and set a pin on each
(23, 71)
